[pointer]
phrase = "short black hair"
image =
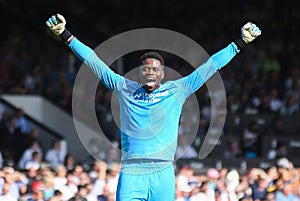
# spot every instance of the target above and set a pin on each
(152, 55)
(57, 193)
(82, 186)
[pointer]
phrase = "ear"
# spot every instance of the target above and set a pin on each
(162, 74)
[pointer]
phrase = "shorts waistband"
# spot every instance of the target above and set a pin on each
(145, 166)
(144, 160)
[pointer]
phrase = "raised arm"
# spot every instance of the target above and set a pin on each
(110, 79)
(196, 79)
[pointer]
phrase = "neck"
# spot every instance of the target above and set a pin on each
(150, 88)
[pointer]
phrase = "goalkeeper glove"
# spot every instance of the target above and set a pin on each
(56, 24)
(249, 32)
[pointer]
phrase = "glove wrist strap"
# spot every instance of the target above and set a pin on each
(66, 36)
(240, 43)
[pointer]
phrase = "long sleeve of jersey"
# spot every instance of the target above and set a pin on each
(196, 79)
(109, 78)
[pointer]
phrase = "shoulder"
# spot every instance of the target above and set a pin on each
(128, 85)
(171, 84)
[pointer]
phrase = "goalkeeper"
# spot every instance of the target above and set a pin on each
(148, 132)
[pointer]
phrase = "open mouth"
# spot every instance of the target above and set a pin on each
(150, 79)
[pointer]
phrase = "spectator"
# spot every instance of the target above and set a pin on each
(28, 153)
(105, 195)
(77, 172)
(294, 89)
(99, 175)
(48, 186)
(11, 139)
(184, 177)
(5, 196)
(250, 140)
(234, 150)
(265, 105)
(223, 172)
(288, 174)
(292, 80)
(86, 181)
(280, 150)
(202, 192)
(32, 175)
(218, 194)
(55, 156)
(286, 194)
(45, 170)
(275, 102)
(31, 137)
(22, 122)
(34, 162)
(291, 106)
(69, 162)
(81, 194)
(232, 181)
(223, 192)
(70, 188)
(57, 196)
(243, 189)
(184, 193)
(270, 196)
(259, 188)
(113, 176)
(15, 180)
(60, 178)
(273, 176)
(93, 173)
(213, 176)
(37, 195)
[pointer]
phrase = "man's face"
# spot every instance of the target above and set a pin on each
(151, 73)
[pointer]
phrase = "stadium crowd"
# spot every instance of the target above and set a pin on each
(279, 182)
(265, 79)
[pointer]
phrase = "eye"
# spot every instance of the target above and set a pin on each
(155, 69)
(145, 69)
(148, 69)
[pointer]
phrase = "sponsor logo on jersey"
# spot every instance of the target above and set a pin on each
(149, 97)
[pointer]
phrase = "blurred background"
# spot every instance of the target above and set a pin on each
(37, 73)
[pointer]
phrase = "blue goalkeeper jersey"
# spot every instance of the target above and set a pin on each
(149, 120)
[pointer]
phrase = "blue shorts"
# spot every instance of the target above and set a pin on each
(153, 181)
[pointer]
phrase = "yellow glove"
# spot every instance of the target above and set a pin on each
(56, 23)
(249, 32)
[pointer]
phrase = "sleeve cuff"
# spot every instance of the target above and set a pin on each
(66, 36)
(240, 43)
